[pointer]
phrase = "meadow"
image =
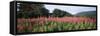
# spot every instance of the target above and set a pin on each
(51, 24)
(51, 18)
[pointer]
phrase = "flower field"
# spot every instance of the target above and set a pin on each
(50, 24)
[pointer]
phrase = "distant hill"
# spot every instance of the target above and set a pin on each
(60, 13)
(87, 14)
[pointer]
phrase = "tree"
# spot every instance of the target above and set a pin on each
(32, 10)
(60, 13)
(45, 12)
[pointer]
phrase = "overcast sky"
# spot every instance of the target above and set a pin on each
(70, 9)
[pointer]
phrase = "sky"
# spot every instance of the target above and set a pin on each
(70, 9)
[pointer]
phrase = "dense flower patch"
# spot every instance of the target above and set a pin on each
(51, 24)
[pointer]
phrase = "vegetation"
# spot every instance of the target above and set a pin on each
(32, 10)
(51, 24)
(91, 14)
(36, 18)
(60, 13)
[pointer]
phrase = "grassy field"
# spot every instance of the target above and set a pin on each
(51, 24)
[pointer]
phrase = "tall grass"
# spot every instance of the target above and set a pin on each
(50, 24)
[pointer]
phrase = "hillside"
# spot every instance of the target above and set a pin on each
(87, 14)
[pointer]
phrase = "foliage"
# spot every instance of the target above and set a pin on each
(32, 10)
(52, 24)
(36, 18)
(60, 13)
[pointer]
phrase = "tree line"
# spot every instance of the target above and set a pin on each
(38, 10)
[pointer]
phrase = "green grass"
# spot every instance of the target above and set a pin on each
(59, 26)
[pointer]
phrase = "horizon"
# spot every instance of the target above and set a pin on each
(70, 9)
